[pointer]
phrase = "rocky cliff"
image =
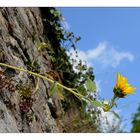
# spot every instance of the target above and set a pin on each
(25, 105)
(20, 29)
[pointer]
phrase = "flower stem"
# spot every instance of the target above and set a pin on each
(113, 101)
(43, 77)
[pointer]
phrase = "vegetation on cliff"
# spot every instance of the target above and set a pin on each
(71, 92)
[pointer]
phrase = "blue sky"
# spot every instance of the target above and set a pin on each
(110, 43)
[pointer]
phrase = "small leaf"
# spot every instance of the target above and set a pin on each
(51, 23)
(90, 85)
(41, 45)
(52, 11)
(97, 103)
(77, 39)
(57, 28)
(84, 103)
(115, 114)
(60, 93)
(82, 90)
(53, 89)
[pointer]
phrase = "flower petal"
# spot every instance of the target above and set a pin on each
(123, 85)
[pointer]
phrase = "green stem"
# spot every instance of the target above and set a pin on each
(107, 107)
(40, 76)
(113, 101)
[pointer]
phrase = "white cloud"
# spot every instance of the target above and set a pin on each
(97, 52)
(105, 55)
(109, 122)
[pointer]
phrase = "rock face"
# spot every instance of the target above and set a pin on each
(20, 30)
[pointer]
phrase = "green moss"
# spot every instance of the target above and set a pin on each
(30, 116)
(25, 91)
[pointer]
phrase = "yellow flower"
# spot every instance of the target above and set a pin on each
(122, 88)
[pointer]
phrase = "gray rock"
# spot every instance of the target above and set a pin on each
(20, 29)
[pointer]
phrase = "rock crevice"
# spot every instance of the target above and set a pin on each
(20, 29)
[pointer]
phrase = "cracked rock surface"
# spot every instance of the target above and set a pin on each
(20, 29)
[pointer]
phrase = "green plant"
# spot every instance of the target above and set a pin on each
(26, 99)
(136, 121)
(54, 88)
(30, 116)
(33, 66)
(41, 45)
(80, 96)
(26, 93)
(64, 41)
(25, 90)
